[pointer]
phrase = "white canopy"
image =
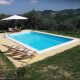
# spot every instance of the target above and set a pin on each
(15, 17)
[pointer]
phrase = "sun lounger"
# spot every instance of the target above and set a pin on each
(11, 53)
(13, 46)
(22, 49)
(10, 30)
(29, 54)
(16, 29)
(22, 52)
(21, 55)
(17, 51)
(10, 48)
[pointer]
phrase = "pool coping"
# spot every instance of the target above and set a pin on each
(48, 49)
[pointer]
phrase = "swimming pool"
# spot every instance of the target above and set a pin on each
(38, 41)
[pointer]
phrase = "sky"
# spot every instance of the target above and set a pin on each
(23, 6)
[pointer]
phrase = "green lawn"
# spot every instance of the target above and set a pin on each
(72, 34)
(6, 66)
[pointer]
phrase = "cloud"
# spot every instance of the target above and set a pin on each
(34, 1)
(5, 2)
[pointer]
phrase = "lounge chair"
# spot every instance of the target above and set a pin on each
(10, 30)
(10, 48)
(19, 29)
(16, 29)
(13, 46)
(22, 49)
(17, 51)
(25, 54)
(12, 52)
(31, 53)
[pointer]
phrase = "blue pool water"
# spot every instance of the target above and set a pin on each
(39, 41)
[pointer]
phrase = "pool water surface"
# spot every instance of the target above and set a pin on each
(39, 41)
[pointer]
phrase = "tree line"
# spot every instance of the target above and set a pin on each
(66, 20)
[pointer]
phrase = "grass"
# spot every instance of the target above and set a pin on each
(6, 66)
(72, 34)
(63, 66)
(4, 59)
